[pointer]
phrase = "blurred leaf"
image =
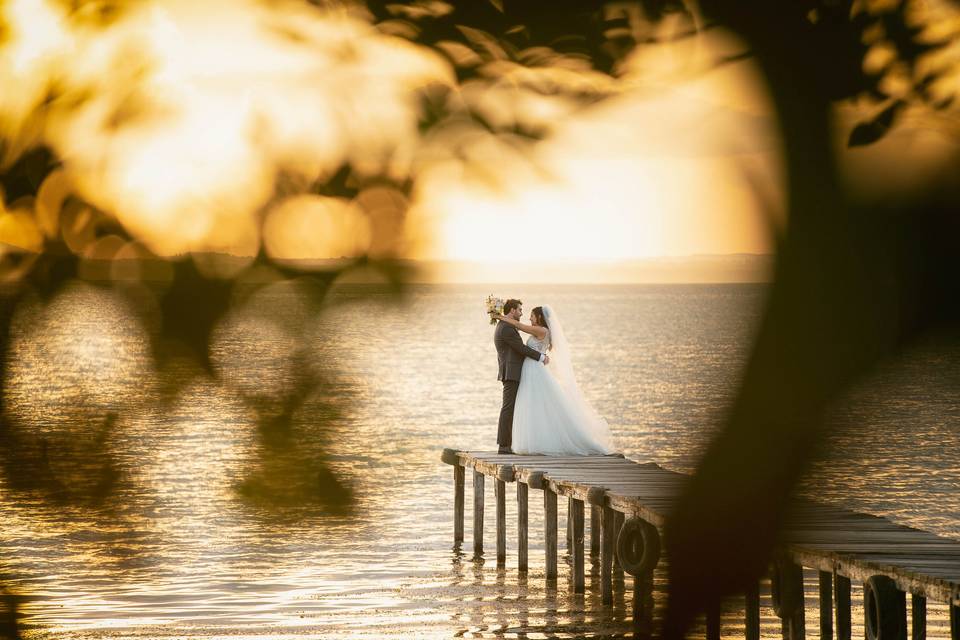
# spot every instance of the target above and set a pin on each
(53, 269)
(483, 41)
(944, 103)
(289, 468)
(24, 177)
(19, 228)
(433, 103)
(189, 310)
(341, 184)
(907, 37)
(869, 132)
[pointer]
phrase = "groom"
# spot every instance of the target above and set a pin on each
(510, 354)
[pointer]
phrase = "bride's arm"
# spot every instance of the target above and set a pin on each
(540, 332)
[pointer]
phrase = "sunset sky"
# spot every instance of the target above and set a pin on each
(658, 171)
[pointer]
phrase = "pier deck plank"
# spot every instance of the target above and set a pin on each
(824, 537)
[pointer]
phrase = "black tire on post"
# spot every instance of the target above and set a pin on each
(786, 588)
(638, 547)
(884, 609)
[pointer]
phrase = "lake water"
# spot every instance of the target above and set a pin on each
(180, 554)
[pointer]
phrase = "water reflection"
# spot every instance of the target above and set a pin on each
(182, 553)
(642, 612)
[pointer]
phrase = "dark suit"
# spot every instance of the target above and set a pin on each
(510, 354)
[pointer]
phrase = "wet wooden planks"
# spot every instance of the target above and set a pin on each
(827, 538)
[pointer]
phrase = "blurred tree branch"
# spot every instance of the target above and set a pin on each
(854, 282)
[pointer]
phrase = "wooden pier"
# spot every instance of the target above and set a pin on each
(628, 506)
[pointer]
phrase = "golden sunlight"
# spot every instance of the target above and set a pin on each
(261, 264)
(180, 130)
(668, 169)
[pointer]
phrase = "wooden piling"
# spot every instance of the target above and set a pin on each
(576, 516)
(569, 524)
(643, 606)
(954, 622)
(794, 624)
(841, 599)
(457, 504)
(751, 611)
(798, 626)
(550, 531)
(500, 489)
(606, 556)
(618, 518)
(522, 523)
(826, 605)
(918, 617)
(477, 512)
(595, 511)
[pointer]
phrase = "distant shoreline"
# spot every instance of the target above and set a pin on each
(737, 268)
(703, 269)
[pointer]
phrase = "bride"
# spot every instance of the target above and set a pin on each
(551, 416)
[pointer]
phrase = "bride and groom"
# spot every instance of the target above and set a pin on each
(543, 411)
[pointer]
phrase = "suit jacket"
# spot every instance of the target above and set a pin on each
(511, 351)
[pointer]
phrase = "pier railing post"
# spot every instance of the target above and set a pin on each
(500, 489)
(826, 605)
(550, 531)
(504, 474)
(451, 457)
(477, 512)
(918, 617)
(786, 586)
(618, 577)
(522, 524)
(458, 503)
(797, 622)
(576, 515)
(841, 599)
(595, 511)
(606, 556)
(643, 605)
(537, 480)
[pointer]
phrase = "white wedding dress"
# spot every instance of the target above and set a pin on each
(551, 416)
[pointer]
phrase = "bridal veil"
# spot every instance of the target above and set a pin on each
(562, 369)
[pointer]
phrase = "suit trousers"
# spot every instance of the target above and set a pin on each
(505, 426)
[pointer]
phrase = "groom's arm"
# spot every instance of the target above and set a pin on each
(515, 343)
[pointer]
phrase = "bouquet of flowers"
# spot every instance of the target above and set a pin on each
(494, 305)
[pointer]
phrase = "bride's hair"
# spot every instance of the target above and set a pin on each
(536, 314)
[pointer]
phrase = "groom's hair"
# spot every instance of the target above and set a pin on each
(510, 305)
